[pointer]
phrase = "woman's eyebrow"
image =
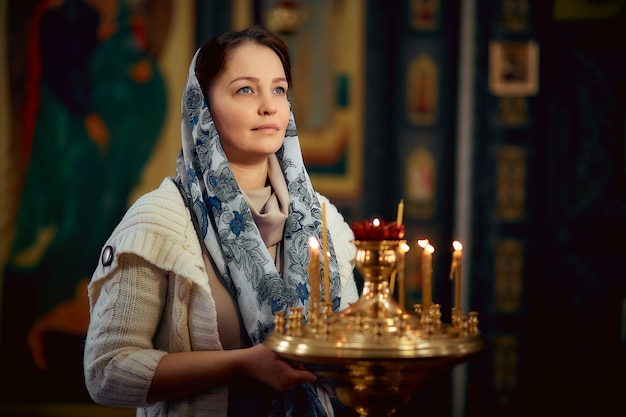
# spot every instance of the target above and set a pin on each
(255, 79)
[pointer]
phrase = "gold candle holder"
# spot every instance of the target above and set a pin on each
(374, 354)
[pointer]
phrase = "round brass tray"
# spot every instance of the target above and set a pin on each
(374, 354)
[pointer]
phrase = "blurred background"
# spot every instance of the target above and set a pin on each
(498, 123)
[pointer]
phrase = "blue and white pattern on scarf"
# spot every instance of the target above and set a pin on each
(227, 227)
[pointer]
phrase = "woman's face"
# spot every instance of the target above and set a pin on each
(249, 104)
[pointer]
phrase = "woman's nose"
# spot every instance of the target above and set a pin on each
(267, 105)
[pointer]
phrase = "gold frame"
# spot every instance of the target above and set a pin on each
(513, 68)
(343, 137)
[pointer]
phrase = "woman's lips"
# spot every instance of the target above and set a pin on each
(268, 127)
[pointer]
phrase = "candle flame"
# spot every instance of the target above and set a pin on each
(423, 243)
(429, 248)
(404, 247)
(314, 243)
(376, 222)
(457, 245)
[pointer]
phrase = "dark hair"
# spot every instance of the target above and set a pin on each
(213, 54)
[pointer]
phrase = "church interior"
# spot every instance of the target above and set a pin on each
(497, 123)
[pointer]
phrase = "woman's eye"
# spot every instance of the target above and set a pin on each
(279, 90)
(245, 90)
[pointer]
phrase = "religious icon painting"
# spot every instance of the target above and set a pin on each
(420, 184)
(586, 9)
(422, 91)
(424, 14)
(508, 275)
(515, 15)
(89, 125)
(329, 97)
(505, 366)
(513, 68)
(512, 111)
(511, 183)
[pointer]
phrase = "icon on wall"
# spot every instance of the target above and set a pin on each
(586, 9)
(422, 91)
(513, 68)
(511, 183)
(87, 123)
(424, 14)
(420, 184)
(326, 42)
(515, 15)
(512, 111)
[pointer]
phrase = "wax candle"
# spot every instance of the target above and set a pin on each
(400, 212)
(455, 272)
(326, 257)
(314, 273)
(403, 249)
(398, 273)
(427, 272)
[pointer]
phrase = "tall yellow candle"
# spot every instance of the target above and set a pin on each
(398, 271)
(403, 249)
(427, 273)
(314, 274)
(326, 257)
(400, 213)
(455, 272)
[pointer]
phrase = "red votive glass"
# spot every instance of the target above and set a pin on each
(377, 230)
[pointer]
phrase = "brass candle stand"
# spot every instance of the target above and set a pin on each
(374, 354)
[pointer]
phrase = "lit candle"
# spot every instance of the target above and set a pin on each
(326, 257)
(404, 248)
(400, 212)
(427, 272)
(455, 272)
(399, 264)
(314, 274)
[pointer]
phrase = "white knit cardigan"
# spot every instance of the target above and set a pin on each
(165, 305)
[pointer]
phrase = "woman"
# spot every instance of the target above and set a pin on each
(189, 282)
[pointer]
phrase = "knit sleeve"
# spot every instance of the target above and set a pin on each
(345, 251)
(125, 308)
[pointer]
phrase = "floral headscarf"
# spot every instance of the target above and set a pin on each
(226, 225)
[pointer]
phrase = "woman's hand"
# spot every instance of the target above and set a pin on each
(185, 373)
(263, 364)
